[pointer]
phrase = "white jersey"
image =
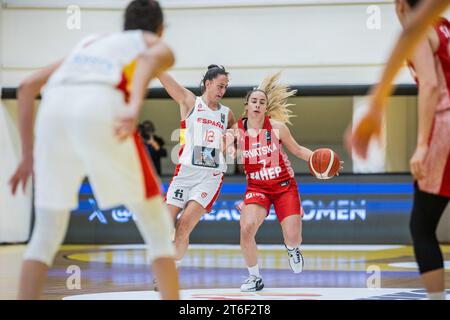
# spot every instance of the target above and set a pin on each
(102, 59)
(201, 136)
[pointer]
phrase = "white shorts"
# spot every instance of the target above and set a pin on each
(199, 185)
(74, 139)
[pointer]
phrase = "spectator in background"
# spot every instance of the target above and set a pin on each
(153, 143)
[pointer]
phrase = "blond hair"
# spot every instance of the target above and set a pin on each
(277, 96)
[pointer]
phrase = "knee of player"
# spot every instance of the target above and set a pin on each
(182, 230)
(248, 229)
(293, 239)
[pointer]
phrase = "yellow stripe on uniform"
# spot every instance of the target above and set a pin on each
(128, 71)
(182, 137)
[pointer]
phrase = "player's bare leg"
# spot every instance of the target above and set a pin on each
(252, 217)
(166, 272)
(32, 279)
(174, 211)
(188, 220)
(292, 233)
(434, 283)
(292, 230)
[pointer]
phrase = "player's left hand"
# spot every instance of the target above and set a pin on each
(417, 161)
(340, 168)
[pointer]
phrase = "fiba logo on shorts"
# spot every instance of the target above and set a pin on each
(204, 195)
(178, 194)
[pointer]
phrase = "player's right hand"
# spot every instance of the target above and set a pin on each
(23, 172)
(229, 137)
(417, 162)
(228, 141)
(125, 123)
(366, 129)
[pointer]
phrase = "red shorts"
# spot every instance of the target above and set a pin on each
(286, 203)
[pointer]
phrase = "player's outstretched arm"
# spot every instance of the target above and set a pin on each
(184, 97)
(289, 141)
(27, 92)
(150, 63)
(414, 31)
(411, 36)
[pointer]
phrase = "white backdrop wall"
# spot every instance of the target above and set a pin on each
(314, 41)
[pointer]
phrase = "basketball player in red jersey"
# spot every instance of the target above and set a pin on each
(430, 163)
(270, 179)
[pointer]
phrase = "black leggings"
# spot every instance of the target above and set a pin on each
(426, 213)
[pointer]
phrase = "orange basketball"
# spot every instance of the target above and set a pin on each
(324, 163)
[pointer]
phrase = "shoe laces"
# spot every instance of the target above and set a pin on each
(295, 253)
(251, 278)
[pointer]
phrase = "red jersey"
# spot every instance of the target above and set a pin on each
(437, 161)
(266, 165)
(443, 31)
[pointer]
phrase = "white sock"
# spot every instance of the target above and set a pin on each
(254, 271)
(436, 295)
(177, 263)
(290, 248)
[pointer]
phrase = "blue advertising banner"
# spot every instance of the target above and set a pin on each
(353, 209)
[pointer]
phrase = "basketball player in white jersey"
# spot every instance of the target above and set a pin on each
(86, 126)
(199, 173)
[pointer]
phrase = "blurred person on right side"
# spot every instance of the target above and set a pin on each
(430, 163)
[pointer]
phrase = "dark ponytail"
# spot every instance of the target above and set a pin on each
(213, 72)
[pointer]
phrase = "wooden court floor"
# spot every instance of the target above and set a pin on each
(211, 268)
